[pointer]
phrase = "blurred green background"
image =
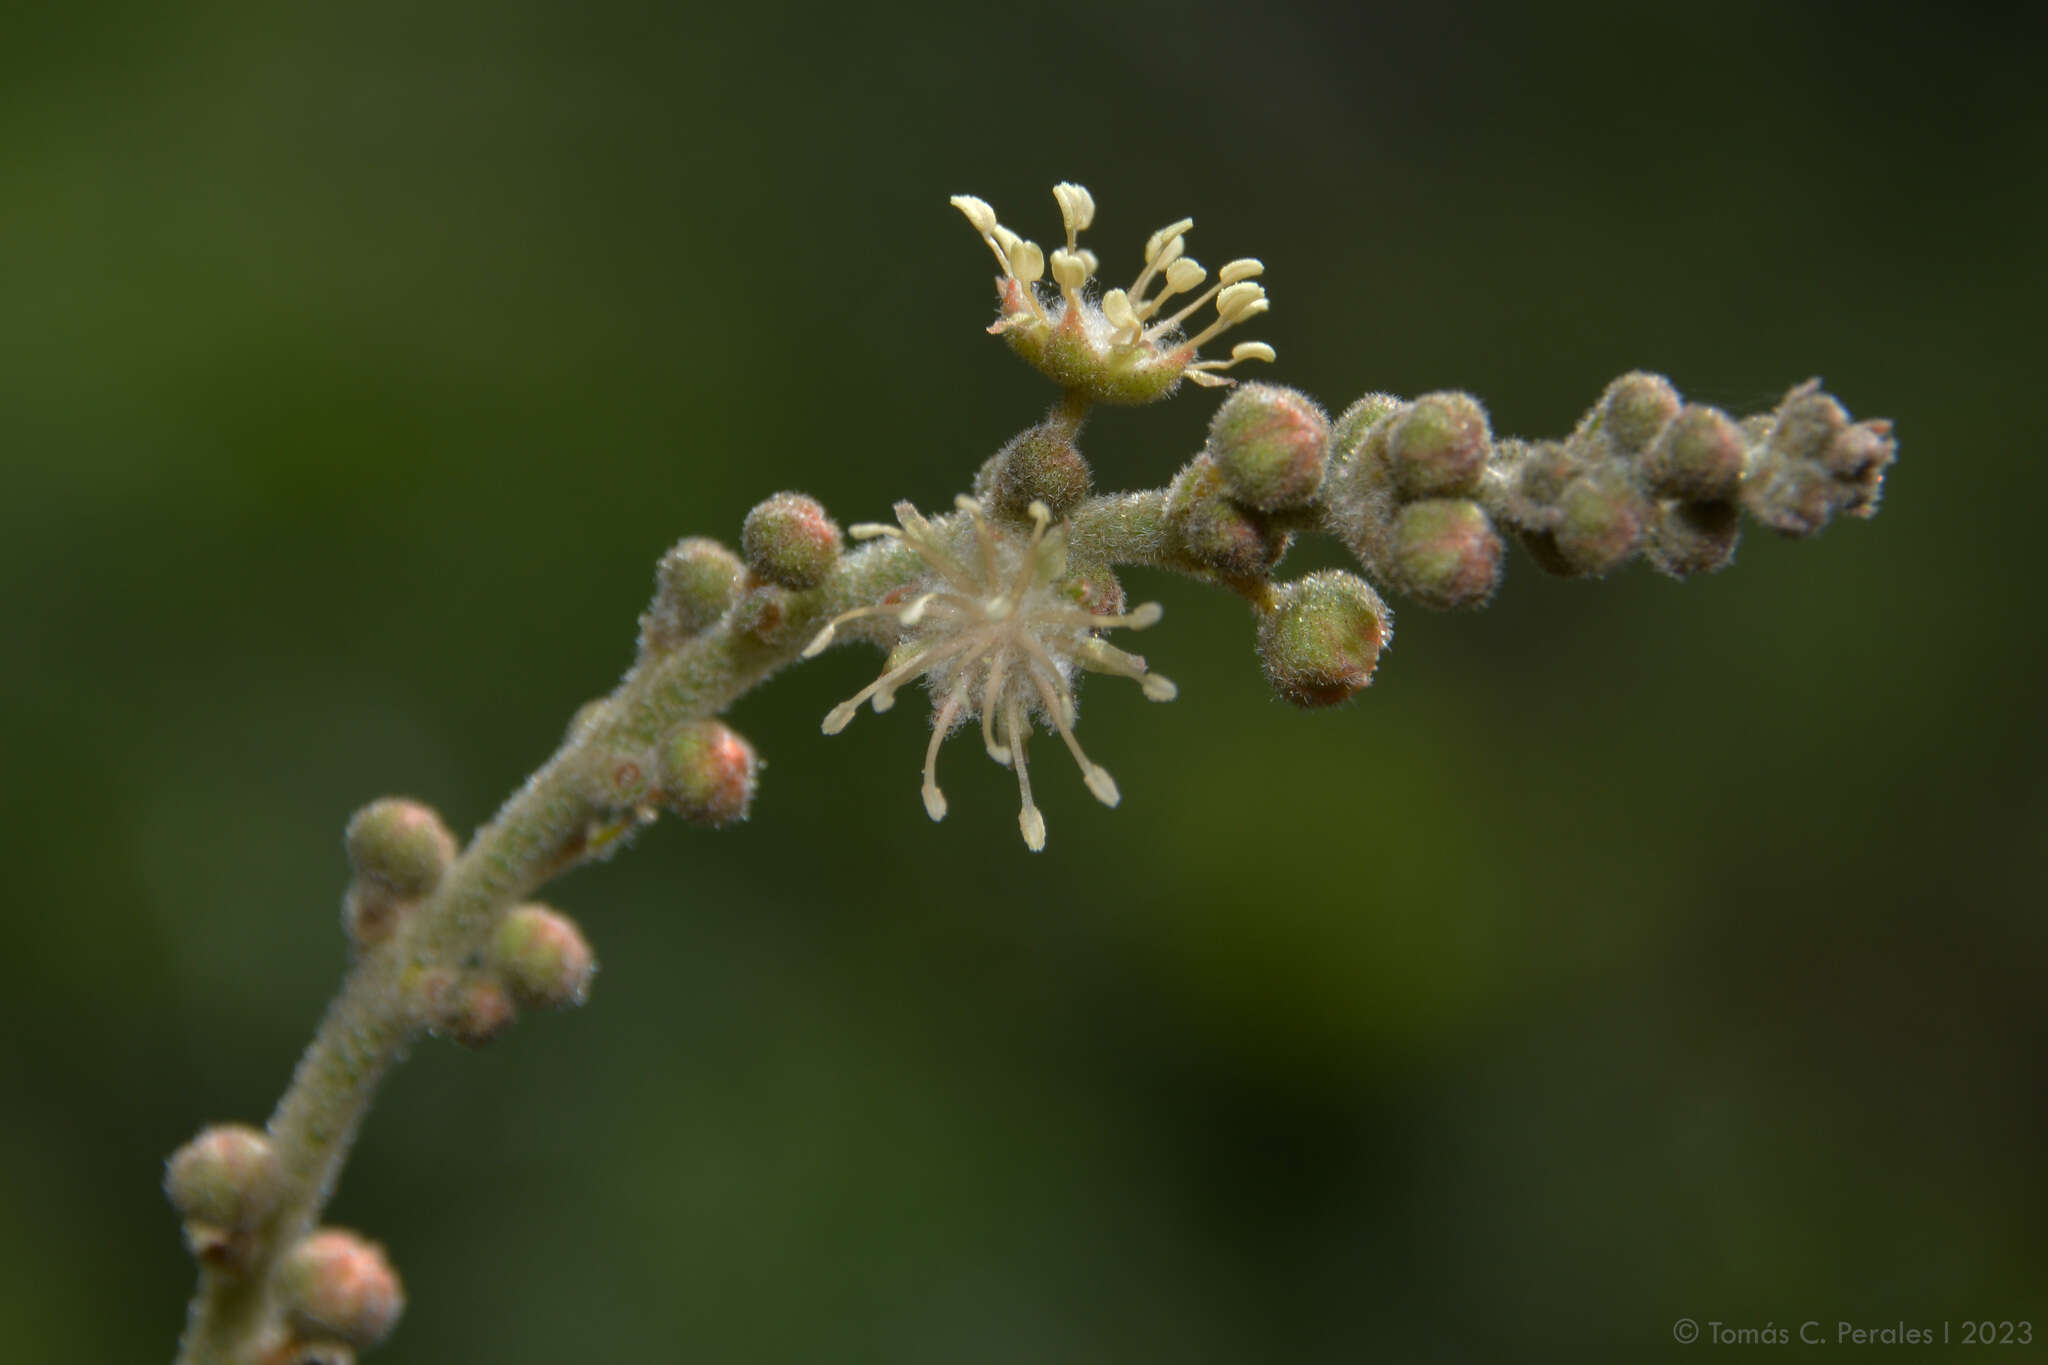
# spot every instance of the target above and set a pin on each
(1630, 951)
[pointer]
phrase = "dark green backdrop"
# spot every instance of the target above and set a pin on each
(1631, 951)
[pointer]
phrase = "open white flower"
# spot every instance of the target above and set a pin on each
(1124, 347)
(995, 633)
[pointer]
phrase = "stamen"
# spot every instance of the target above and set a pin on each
(1071, 274)
(1244, 350)
(1116, 306)
(942, 725)
(1028, 818)
(1181, 276)
(868, 530)
(1027, 569)
(991, 690)
(1094, 774)
(1027, 262)
(824, 637)
(1249, 308)
(1223, 286)
(1077, 208)
(1141, 617)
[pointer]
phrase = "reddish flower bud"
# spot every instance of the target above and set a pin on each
(399, 846)
(1601, 524)
(1635, 408)
(788, 540)
(1445, 553)
(1038, 465)
(1271, 445)
(1698, 457)
(335, 1284)
(1439, 446)
(542, 957)
(477, 1011)
(225, 1180)
(708, 773)
(1216, 531)
(1323, 637)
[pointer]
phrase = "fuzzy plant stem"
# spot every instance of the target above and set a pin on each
(996, 609)
(563, 814)
(544, 828)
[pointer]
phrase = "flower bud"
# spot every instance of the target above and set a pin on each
(1037, 465)
(1445, 553)
(1439, 446)
(1693, 537)
(1698, 457)
(542, 957)
(1635, 408)
(1270, 444)
(399, 846)
(1806, 423)
(1348, 433)
(475, 1010)
(226, 1179)
(696, 581)
(788, 540)
(1216, 532)
(335, 1284)
(1601, 521)
(1793, 497)
(708, 773)
(1320, 641)
(1543, 471)
(1858, 451)
(370, 914)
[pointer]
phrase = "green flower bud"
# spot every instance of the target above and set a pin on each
(1216, 531)
(1348, 433)
(695, 583)
(399, 846)
(335, 1284)
(225, 1180)
(788, 540)
(1322, 637)
(1600, 525)
(1445, 553)
(1040, 464)
(1693, 537)
(708, 773)
(1439, 446)
(1270, 444)
(1635, 408)
(1698, 457)
(542, 957)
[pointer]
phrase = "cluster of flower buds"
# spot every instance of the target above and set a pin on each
(536, 959)
(398, 850)
(1646, 471)
(1406, 496)
(1127, 345)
